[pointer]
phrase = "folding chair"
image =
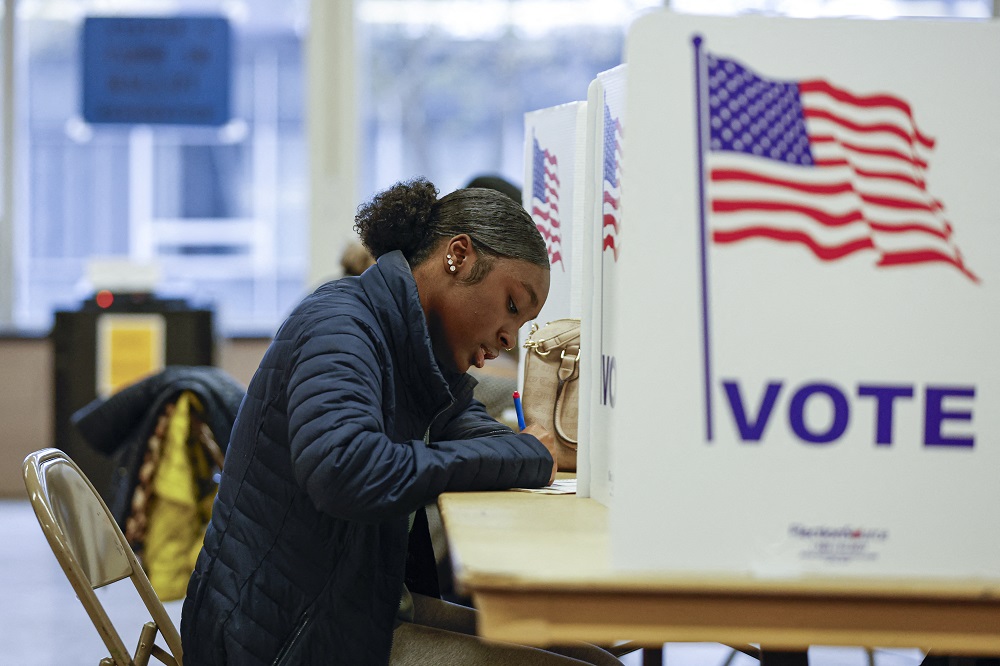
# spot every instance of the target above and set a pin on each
(93, 552)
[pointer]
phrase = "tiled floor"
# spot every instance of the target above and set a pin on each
(43, 624)
(41, 621)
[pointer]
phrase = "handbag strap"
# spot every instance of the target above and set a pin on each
(566, 337)
(569, 368)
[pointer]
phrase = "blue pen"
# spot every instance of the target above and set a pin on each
(519, 410)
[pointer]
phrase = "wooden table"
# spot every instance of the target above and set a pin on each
(538, 568)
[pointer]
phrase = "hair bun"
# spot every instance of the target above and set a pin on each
(397, 218)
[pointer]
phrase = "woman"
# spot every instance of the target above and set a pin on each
(359, 415)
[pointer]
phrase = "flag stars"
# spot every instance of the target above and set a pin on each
(751, 115)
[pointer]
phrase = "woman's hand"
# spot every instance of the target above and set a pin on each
(548, 440)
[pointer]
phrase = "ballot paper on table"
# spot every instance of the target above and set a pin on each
(558, 487)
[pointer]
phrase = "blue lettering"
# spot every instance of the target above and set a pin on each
(751, 424)
(884, 397)
(797, 407)
(935, 414)
(608, 380)
(751, 431)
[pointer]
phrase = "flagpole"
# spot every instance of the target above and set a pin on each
(706, 339)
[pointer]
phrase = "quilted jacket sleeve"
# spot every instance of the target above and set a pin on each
(473, 432)
(347, 464)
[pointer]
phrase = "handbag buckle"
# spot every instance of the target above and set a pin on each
(535, 345)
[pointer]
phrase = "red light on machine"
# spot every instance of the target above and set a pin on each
(104, 298)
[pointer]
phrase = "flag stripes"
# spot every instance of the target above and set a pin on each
(611, 202)
(545, 200)
(812, 164)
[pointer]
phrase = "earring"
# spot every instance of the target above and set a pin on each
(451, 268)
(508, 349)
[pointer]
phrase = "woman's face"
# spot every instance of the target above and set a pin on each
(476, 321)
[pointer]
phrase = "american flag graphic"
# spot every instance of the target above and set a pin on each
(612, 182)
(545, 200)
(810, 163)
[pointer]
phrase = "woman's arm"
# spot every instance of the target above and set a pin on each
(346, 463)
(475, 427)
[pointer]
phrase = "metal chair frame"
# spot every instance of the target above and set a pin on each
(93, 552)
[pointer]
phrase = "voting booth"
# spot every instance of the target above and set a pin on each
(791, 298)
(807, 299)
(555, 161)
(573, 166)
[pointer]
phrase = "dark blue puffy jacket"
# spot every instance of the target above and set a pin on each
(348, 426)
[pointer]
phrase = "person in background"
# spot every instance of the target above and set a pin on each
(499, 184)
(360, 414)
(356, 259)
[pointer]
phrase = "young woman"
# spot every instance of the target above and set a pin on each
(359, 415)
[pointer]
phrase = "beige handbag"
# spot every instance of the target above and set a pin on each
(551, 390)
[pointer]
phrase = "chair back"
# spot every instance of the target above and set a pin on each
(93, 552)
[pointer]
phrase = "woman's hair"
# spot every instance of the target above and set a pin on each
(409, 217)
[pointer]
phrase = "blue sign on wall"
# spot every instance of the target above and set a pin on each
(172, 70)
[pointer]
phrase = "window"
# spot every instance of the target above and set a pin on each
(443, 87)
(220, 210)
(877, 9)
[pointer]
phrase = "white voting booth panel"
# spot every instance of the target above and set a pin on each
(602, 243)
(555, 141)
(807, 305)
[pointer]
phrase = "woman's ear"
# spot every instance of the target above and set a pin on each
(460, 252)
